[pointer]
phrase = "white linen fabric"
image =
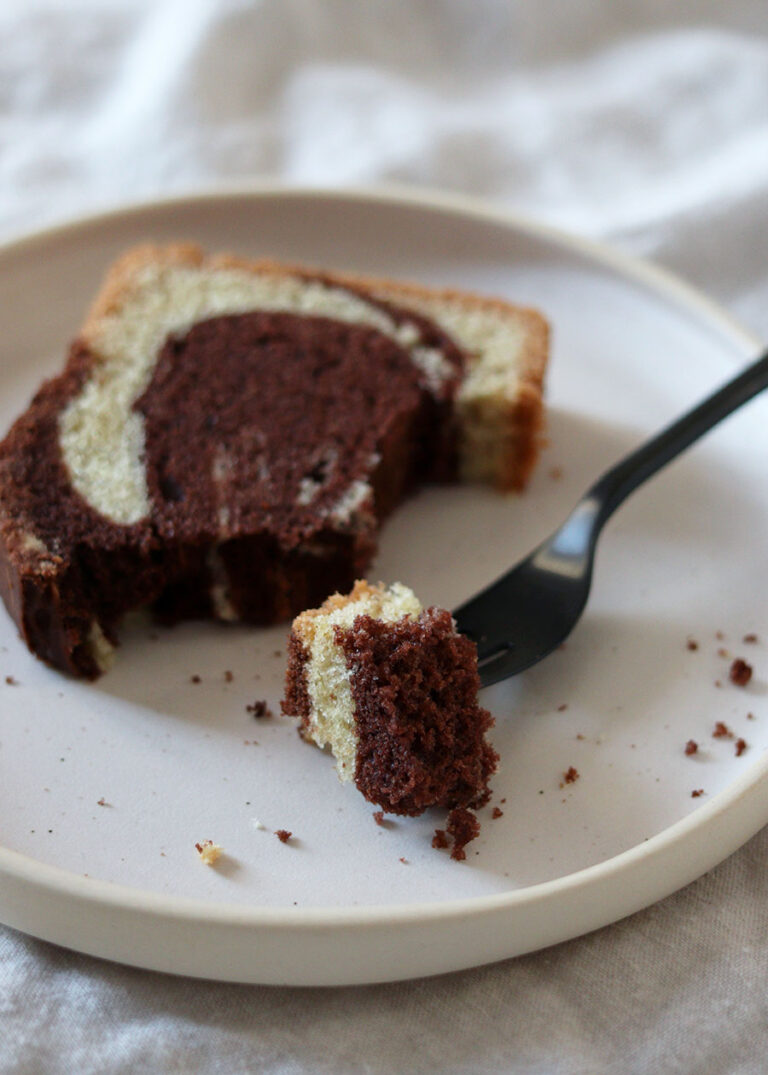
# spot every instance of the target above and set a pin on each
(642, 122)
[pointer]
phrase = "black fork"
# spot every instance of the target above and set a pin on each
(529, 611)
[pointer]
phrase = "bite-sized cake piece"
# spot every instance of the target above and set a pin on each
(227, 436)
(391, 689)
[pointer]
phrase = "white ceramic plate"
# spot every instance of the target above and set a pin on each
(106, 787)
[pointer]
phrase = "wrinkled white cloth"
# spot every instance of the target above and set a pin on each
(644, 123)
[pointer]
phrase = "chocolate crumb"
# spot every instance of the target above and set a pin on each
(741, 746)
(571, 775)
(283, 835)
(440, 840)
(750, 639)
(260, 710)
(496, 812)
(462, 827)
(228, 676)
(697, 793)
(722, 731)
(740, 672)
(723, 652)
(378, 817)
(11, 681)
(404, 861)
(691, 747)
(750, 716)
(102, 802)
(719, 635)
(692, 644)
(562, 707)
(195, 679)
(277, 653)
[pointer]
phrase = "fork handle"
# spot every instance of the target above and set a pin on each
(616, 484)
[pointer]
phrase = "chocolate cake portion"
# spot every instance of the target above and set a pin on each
(421, 732)
(392, 689)
(227, 437)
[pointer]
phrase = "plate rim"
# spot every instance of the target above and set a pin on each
(743, 797)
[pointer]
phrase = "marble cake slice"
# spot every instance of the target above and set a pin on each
(392, 690)
(227, 436)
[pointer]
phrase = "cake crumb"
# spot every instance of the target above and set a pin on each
(695, 794)
(723, 652)
(562, 707)
(556, 473)
(403, 860)
(496, 812)
(722, 731)
(209, 852)
(256, 824)
(229, 675)
(741, 746)
(102, 802)
(260, 710)
(195, 679)
(740, 672)
(440, 839)
(11, 681)
(570, 776)
(692, 644)
(691, 747)
(750, 716)
(750, 639)
(462, 827)
(283, 835)
(378, 817)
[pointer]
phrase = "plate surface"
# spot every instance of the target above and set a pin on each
(106, 787)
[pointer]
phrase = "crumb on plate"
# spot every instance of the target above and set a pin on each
(740, 672)
(462, 827)
(259, 709)
(570, 776)
(209, 852)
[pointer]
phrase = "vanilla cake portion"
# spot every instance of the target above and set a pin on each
(227, 437)
(391, 689)
(331, 719)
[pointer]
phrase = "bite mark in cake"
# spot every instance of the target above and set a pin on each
(391, 689)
